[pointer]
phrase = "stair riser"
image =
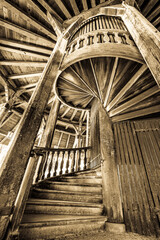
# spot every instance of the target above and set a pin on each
(82, 180)
(66, 210)
(66, 197)
(49, 232)
(58, 187)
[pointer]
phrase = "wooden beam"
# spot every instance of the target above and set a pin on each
(128, 85)
(38, 38)
(24, 75)
(57, 26)
(146, 37)
(135, 100)
(17, 10)
(22, 63)
(111, 81)
(63, 8)
(23, 52)
(26, 46)
(74, 7)
(154, 14)
(96, 80)
(73, 114)
(50, 9)
(65, 112)
(138, 113)
(85, 5)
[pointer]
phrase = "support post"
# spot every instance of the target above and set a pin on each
(146, 37)
(111, 191)
(13, 169)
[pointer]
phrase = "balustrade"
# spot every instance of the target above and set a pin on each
(56, 162)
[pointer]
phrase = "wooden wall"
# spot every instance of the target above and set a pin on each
(138, 164)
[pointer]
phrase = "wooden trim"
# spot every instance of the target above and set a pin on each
(127, 87)
(22, 63)
(63, 8)
(24, 75)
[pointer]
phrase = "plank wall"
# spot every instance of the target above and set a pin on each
(138, 164)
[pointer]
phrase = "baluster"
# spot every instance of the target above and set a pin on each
(90, 39)
(82, 166)
(71, 49)
(100, 37)
(64, 169)
(106, 38)
(85, 158)
(61, 163)
(73, 161)
(49, 164)
(79, 160)
(129, 41)
(68, 162)
(56, 164)
(111, 37)
(117, 38)
(43, 165)
(52, 171)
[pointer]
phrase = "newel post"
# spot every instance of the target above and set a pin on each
(15, 163)
(111, 190)
(146, 37)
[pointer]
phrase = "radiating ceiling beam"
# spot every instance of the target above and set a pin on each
(74, 7)
(26, 46)
(22, 63)
(128, 85)
(57, 26)
(24, 75)
(148, 6)
(63, 8)
(85, 5)
(135, 100)
(17, 10)
(50, 9)
(93, 3)
(23, 52)
(20, 30)
(138, 113)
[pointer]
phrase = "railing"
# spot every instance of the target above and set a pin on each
(100, 29)
(56, 162)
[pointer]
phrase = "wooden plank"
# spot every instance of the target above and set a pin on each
(65, 112)
(148, 7)
(17, 10)
(26, 32)
(111, 81)
(74, 7)
(50, 9)
(22, 63)
(23, 52)
(128, 85)
(144, 34)
(63, 8)
(134, 100)
(85, 5)
(27, 46)
(24, 75)
(154, 14)
(138, 113)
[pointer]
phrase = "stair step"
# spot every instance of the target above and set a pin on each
(62, 207)
(76, 188)
(59, 227)
(66, 196)
(82, 180)
(75, 183)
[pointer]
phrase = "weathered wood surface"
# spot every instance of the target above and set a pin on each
(137, 152)
(111, 191)
(146, 37)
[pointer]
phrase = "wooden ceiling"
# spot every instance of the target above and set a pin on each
(27, 39)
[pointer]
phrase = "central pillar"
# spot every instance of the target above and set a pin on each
(110, 183)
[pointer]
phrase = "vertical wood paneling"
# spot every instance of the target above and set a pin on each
(138, 156)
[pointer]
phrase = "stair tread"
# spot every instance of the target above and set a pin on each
(67, 192)
(51, 219)
(75, 184)
(60, 203)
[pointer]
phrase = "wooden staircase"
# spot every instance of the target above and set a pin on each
(60, 206)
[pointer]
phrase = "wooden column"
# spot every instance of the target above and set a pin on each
(111, 191)
(146, 37)
(14, 166)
